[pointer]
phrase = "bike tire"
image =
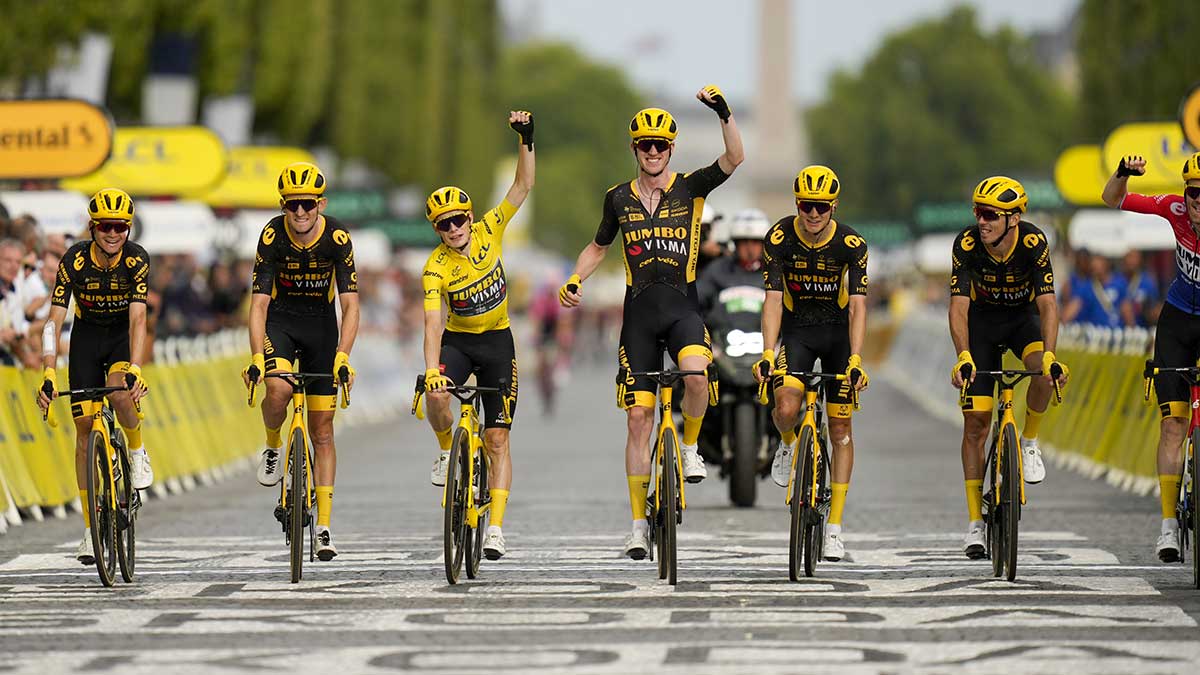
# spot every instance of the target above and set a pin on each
(454, 518)
(99, 505)
(475, 550)
(670, 502)
(127, 506)
(798, 509)
(1011, 500)
(743, 474)
(811, 517)
(1193, 515)
(994, 518)
(296, 505)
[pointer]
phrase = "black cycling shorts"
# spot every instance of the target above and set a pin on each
(314, 340)
(96, 351)
(1176, 345)
(492, 357)
(799, 349)
(990, 333)
(659, 317)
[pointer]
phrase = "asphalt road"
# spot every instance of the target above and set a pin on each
(213, 592)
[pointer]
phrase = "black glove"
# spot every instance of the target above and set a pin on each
(719, 105)
(1123, 168)
(525, 129)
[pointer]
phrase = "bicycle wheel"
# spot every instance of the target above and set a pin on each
(994, 515)
(1193, 514)
(1011, 500)
(454, 520)
(127, 505)
(296, 504)
(481, 496)
(811, 516)
(670, 506)
(104, 545)
(799, 505)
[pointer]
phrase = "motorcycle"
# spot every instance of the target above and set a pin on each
(737, 435)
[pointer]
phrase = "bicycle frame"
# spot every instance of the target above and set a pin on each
(468, 419)
(299, 423)
(813, 406)
(1004, 420)
(667, 423)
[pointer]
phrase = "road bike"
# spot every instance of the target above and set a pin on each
(1189, 485)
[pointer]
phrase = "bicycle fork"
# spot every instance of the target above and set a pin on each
(297, 425)
(668, 422)
(1006, 419)
(809, 420)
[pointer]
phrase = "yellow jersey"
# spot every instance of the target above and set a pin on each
(472, 286)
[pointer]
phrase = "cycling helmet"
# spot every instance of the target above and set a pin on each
(111, 204)
(445, 200)
(749, 224)
(653, 123)
(301, 178)
(1001, 193)
(817, 183)
(1191, 168)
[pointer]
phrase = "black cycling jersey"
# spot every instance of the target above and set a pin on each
(102, 294)
(301, 279)
(1012, 282)
(660, 248)
(817, 280)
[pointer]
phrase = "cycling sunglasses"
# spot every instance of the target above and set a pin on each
(659, 144)
(1192, 192)
(453, 222)
(990, 215)
(295, 205)
(118, 226)
(821, 207)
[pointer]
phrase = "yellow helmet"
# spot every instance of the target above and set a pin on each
(653, 123)
(817, 183)
(446, 200)
(301, 178)
(1191, 168)
(1001, 193)
(111, 204)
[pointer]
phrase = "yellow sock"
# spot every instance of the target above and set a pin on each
(134, 436)
(691, 428)
(788, 437)
(975, 499)
(838, 503)
(638, 487)
(324, 504)
(445, 437)
(274, 440)
(87, 515)
(499, 503)
(1168, 486)
(1033, 423)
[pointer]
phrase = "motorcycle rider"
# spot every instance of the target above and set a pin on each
(744, 267)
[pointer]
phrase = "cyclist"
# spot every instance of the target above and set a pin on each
(305, 259)
(815, 274)
(1177, 340)
(466, 271)
(744, 268)
(1001, 282)
(107, 275)
(657, 216)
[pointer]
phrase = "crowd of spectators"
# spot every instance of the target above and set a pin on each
(1112, 293)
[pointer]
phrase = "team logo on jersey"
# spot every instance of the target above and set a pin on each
(1178, 208)
(60, 291)
(1049, 277)
(968, 243)
(864, 281)
(341, 237)
(1032, 240)
(141, 289)
(853, 241)
(777, 236)
(954, 280)
(78, 264)
(354, 276)
(133, 262)
(634, 250)
(268, 236)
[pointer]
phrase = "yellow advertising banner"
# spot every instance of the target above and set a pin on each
(1189, 116)
(169, 161)
(1163, 146)
(53, 138)
(1079, 175)
(253, 171)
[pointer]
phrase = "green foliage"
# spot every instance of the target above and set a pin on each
(582, 110)
(1137, 59)
(935, 109)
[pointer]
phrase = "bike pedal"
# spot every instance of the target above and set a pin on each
(281, 515)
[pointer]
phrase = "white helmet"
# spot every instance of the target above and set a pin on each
(708, 215)
(749, 224)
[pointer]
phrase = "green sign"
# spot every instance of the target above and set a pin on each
(357, 206)
(883, 235)
(416, 233)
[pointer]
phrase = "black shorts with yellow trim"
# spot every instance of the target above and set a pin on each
(96, 352)
(492, 357)
(991, 332)
(801, 346)
(1176, 345)
(657, 319)
(312, 340)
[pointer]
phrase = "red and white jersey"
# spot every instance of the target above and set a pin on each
(1185, 290)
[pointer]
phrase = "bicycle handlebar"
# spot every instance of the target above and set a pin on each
(1191, 374)
(87, 394)
(299, 381)
(1009, 378)
(463, 392)
(807, 378)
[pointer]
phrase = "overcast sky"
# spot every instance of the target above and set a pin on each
(693, 42)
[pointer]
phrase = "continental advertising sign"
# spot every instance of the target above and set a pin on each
(52, 138)
(170, 161)
(253, 172)
(1082, 170)
(1189, 116)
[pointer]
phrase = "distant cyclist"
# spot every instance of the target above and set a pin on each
(1177, 340)
(656, 217)
(108, 276)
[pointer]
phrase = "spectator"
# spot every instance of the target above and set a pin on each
(1143, 303)
(226, 295)
(1098, 300)
(12, 315)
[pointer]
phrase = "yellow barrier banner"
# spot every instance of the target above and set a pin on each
(14, 473)
(169, 161)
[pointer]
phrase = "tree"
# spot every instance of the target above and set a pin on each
(936, 108)
(1136, 60)
(582, 111)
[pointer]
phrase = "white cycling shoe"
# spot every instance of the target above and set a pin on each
(325, 548)
(637, 544)
(781, 466)
(438, 475)
(1167, 547)
(141, 475)
(270, 468)
(694, 470)
(1031, 457)
(974, 544)
(833, 548)
(83, 553)
(493, 543)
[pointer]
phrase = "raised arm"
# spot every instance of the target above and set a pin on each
(522, 123)
(1118, 184)
(734, 155)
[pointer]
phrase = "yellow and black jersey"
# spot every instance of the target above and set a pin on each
(304, 280)
(818, 279)
(1010, 281)
(473, 285)
(660, 248)
(102, 292)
